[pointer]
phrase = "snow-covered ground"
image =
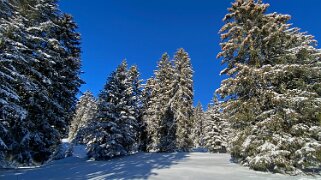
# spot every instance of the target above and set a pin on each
(172, 166)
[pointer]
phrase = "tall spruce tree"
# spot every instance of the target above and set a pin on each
(16, 55)
(68, 67)
(85, 112)
(137, 103)
(35, 50)
(168, 105)
(147, 114)
(183, 100)
(114, 131)
(56, 57)
(167, 126)
(12, 113)
(161, 127)
(216, 129)
(150, 112)
(198, 126)
(273, 91)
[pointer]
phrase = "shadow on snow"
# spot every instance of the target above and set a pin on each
(138, 166)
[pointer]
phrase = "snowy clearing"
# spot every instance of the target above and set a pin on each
(174, 166)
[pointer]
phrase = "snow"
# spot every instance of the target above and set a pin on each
(79, 151)
(65, 140)
(247, 142)
(267, 146)
(156, 166)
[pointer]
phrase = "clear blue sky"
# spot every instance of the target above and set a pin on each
(142, 30)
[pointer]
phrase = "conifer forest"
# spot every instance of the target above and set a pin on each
(265, 116)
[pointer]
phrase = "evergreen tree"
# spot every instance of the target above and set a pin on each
(168, 105)
(114, 131)
(12, 114)
(198, 126)
(149, 113)
(161, 127)
(216, 129)
(85, 112)
(137, 103)
(183, 100)
(68, 79)
(273, 91)
(15, 129)
(55, 56)
(44, 93)
(167, 126)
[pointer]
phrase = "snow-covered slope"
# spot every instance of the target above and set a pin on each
(177, 166)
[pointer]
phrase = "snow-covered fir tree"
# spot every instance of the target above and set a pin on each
(182, 101)
(167, 126)
(40, 56)
(114, 131)
(85, 112)
(148, 97)
(273, 91)
(168, 105)
(12, 114)
(137, 103)
(198, 126)
(216, 129)
(68, 67)
(152, 116)
(159, 117)
(55, 56)
(14, 58)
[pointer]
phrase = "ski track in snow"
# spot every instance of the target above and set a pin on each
(157, 166)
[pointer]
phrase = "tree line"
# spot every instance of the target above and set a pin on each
(158, 116)
(269, 118)
(266, 113)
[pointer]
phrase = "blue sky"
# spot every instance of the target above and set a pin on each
(142, 30)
